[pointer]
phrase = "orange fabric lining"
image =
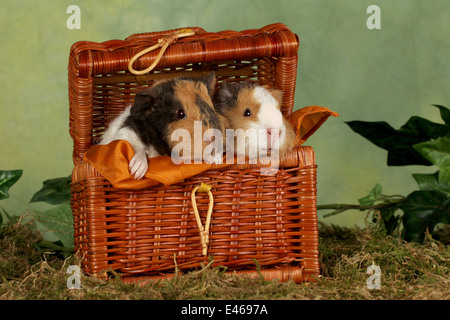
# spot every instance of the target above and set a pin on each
(307, 120)
(112, 160)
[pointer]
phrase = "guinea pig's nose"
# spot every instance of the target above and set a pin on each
(270, 131)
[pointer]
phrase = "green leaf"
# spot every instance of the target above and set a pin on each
(399, 143)
(54, 191)
(373, 196)
(391, 222)
(7, 179)
(429, 182)
(56, 224)
(445, 114)
(422, 211)
(55, 246)
(438, 153)
(423, 128)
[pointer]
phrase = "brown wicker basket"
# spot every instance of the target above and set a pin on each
(260, 223)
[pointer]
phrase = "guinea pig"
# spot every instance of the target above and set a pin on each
(255, 110)
(170, 109)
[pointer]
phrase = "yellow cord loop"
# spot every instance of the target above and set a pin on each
(204, 231)
(163, 43)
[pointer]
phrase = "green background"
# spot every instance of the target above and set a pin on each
(372, 75)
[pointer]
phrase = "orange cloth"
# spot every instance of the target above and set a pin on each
(112, 160)
(307, 120)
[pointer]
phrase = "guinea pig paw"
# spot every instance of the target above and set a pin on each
(139, 165)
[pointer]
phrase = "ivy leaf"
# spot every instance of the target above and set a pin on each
(445, 114)
(54, 246)
(399, 143)
(373, 196)
(423, 128)
(391, 222)
(438, 152)
(429, 182)
(56, 224)
(387, 213)
(54, 191)
(7, 179)
(422, 211)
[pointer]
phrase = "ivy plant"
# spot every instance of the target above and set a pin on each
(7, 179)
(418, 142)
(57, 222)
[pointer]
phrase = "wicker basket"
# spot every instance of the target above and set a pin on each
(260, 223)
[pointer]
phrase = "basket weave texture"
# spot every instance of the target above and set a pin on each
(265, 220)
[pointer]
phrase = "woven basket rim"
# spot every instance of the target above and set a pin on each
(286, 45)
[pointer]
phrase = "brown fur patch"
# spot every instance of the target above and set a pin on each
(187, 92)
(245, 101)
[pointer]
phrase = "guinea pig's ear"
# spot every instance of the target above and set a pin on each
(144, 103)
(210, 81)
(226, 96)
(227, 91)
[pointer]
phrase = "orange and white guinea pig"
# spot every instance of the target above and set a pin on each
(157, 112)
(247, 105)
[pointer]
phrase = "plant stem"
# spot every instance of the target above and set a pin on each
(339, 207)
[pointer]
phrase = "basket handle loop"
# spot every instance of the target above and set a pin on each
(203, 230)
(163, 43)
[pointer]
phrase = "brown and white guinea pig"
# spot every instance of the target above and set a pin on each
(149, 124)
(248, 105)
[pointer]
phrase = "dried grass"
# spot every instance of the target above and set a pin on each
(408, 271)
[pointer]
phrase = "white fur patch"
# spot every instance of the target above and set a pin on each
(116, 131)
(269, 115)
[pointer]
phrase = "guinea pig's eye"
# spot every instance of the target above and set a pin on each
(247, 113)
(181, 114)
